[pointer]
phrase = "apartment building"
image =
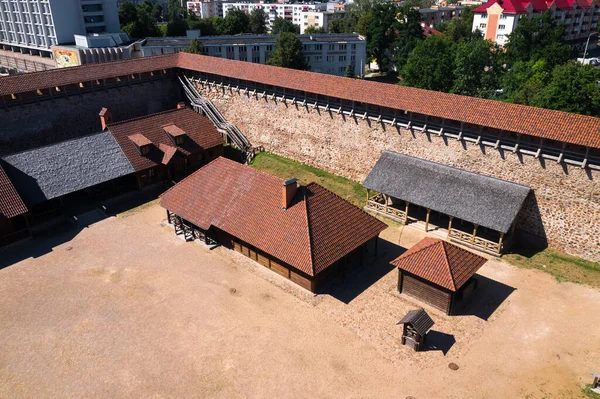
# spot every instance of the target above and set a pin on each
(435, 15)
(319, 19)
(291, 12)
(329, 54)
(206, 9)
(499, 18)
(32, 27)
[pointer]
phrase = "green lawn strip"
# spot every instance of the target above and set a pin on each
(587, 391)
(562, 266)
(287, 168)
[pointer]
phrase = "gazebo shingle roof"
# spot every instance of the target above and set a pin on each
(440, 262)
(316, 230)
(419, 319)
(475, 198)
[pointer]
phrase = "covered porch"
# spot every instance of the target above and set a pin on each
(468, 208)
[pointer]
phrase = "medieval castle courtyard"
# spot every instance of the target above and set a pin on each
(125, 308)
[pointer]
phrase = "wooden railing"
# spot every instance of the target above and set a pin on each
(388, 211)
(479, 243)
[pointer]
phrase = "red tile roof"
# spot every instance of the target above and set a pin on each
(508, 6)
(173, 130)
(317, 229)
(84, 73)
(11, 204)
(440, 262)
(201, 134)
(139, 139)
(538, 122)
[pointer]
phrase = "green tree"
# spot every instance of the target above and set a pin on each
(287, 52)
(538, 38)
(194, 47)
(461, 28)
(478, 69)
(525, 80)
(408, 32)
(381, 32)
(143, 25)
(431, 64)
(349, 71)
(571, 88)
(127, 13)
(258, 21)
(314, 30)
(281, 25)
(176, 25)
(236, 21)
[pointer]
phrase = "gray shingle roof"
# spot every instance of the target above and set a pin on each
(479, 199)
(419, 319)
(62, 168)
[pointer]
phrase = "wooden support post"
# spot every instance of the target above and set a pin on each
(385, 198)
(427, 220)
(450, 225)
(406, 214)
(367, 203)
(474, 234)
(500, 243)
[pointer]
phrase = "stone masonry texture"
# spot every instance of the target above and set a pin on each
(46, 122)
(564, 208)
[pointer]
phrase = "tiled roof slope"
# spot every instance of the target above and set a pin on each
(538, 122)
(84, 73)
(440, 262)
(51, 171)
(315, 231)
(201, 134)
(11, 204)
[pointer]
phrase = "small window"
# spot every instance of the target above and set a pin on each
(342, 46)
(342, 58)
(318, 47)
(145, 149)
(332, 47)
(499, 36)
(483, 26)
(501, 27)
(179, 140)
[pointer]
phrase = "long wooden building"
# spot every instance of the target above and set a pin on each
(304, 233)
(477, 210)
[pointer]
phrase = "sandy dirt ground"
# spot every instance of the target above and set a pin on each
(126, 309)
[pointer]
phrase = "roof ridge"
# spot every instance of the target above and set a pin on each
(425, 247)
(455, 168)
(137, 118)
(447, 262)
(308, 226)
(343, 199)
(56, 143)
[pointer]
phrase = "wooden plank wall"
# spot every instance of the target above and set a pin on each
(272, 263)
(424, 291)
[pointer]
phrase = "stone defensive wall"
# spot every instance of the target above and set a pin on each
(338, 124)
(563, 210)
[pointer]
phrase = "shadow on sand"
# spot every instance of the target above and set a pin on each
(356, 278)
(486, 299)
(438, 341)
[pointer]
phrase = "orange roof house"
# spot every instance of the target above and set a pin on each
(437, 272)
(301, 232)
(166, 144)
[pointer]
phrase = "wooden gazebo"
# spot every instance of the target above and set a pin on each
(416, 323)
(478, 211)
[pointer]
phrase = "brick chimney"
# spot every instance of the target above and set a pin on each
(180, 105)
(105, 118)
(289, 191)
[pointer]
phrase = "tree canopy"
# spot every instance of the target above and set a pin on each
(281, 25)
(287, 52)
(258, 21)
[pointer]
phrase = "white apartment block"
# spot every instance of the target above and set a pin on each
(291, 12)
(206, 9)
(318, 19)
(498, 18)
(329, 54)
(34, 26)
